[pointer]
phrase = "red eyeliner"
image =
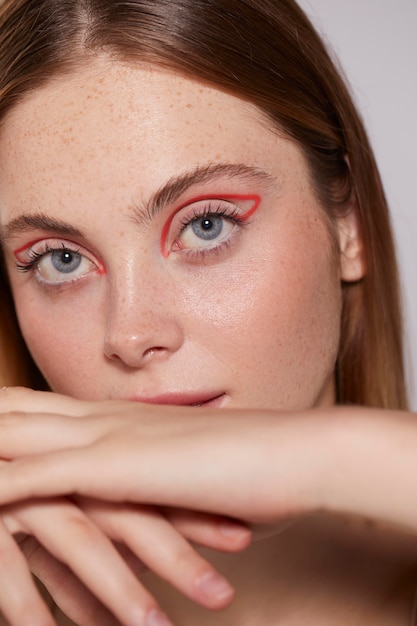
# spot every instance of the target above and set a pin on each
(25, 247)
(226, 196)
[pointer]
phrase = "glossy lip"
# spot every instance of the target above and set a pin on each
(209, 399)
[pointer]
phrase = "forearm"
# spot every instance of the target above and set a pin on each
(370, 466)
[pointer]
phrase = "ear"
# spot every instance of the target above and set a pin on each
(352, 261)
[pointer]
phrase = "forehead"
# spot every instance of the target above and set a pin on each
(124, 129)
(138, 99)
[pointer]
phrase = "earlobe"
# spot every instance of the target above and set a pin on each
(352, 261)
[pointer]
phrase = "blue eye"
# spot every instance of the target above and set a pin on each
(206, 231)
(62, 265)
(66, 261)
(57, 265)
(208, 228)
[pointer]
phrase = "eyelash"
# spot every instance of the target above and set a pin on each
(199, 214)
(35, 257)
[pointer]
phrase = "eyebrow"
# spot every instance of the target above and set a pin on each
(37, 221)
(169, 193)
(176, 186)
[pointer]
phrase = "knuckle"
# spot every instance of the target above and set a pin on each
(83, 530)
(186, 558)
(11, 420)
(15, 415)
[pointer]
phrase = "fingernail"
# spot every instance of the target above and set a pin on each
(215, 586)
(233, 531)
(157, 618)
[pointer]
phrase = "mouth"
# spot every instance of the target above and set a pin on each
(210, 399)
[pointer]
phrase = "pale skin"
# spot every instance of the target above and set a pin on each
(143, 309)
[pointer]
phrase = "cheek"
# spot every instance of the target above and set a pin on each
(60, 337)
(274, 319)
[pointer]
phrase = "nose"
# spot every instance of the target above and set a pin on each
(140, 330)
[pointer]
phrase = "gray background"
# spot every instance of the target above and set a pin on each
(376, 44)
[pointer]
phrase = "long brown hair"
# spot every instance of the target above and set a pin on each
(267, 52)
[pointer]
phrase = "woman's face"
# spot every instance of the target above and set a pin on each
(163, 244)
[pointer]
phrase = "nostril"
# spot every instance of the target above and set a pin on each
(152, 351)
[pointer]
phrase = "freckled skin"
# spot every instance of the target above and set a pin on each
(260, 323)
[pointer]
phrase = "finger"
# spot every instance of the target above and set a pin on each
(29, 401)
(67, 534)
(52, 474)
(95, 471)
(212, 531)
(23, 434)
(20, 602)
(163, 550)
(68, 593)
(104, 472)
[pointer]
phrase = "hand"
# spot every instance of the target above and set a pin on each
(255, 467)
(102, 454)
(49, 531)
(160, 540)
(82, 570)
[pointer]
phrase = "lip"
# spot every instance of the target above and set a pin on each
(196, 399)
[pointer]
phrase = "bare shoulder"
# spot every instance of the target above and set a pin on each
(371, 573)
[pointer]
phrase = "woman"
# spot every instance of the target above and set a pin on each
(191, 216)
